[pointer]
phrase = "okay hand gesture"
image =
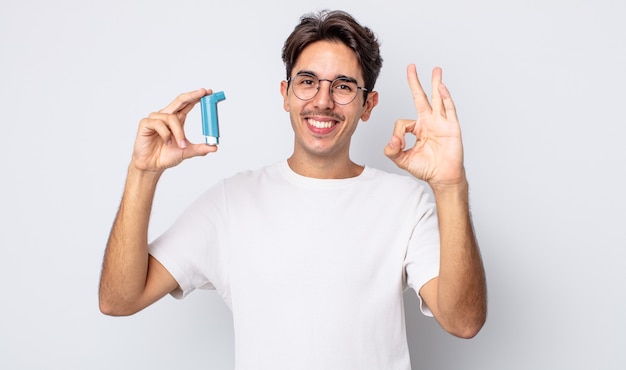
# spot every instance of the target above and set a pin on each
(437, 156)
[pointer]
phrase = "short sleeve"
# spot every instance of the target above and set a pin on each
(192, 248)
(422, 259)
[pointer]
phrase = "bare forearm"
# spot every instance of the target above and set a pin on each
(462, 291)
(125, 266)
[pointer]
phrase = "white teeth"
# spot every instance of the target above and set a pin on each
(318, 124)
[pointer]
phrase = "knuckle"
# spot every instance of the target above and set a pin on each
(155, 115)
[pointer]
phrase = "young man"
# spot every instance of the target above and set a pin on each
(312, 254)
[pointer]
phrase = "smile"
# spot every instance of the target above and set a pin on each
(320, 124)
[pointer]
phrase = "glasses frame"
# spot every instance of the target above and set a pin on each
(330, 86)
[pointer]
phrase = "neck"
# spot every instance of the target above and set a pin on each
(324, 168)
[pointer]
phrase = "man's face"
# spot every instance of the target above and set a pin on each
(322, 127)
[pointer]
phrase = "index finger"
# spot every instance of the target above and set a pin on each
(419, 96)
(185, 102)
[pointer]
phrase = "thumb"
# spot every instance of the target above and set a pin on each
(197, 150)
(393, 150)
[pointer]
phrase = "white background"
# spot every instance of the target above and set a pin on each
(539, 87)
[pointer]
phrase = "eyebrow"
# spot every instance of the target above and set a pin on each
(311, 73)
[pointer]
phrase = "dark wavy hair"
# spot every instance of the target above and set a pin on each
(335, 26)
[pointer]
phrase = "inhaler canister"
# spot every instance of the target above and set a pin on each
(210, 121)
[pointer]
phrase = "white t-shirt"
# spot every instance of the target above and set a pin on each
(313, 269)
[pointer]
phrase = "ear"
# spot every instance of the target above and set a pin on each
(284, 89)
(370, 103)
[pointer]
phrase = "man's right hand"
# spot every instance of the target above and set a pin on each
(161, 141)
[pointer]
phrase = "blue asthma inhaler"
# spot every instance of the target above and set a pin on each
(210, 122)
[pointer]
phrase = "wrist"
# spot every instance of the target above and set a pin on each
(451, 192)
(142, 176)
(454, 184)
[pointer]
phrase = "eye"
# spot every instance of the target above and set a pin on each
(306, 81)
(344, 86)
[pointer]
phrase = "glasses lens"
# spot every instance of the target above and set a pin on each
(344, 90)
(305, 86)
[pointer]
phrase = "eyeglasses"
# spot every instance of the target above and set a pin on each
(343, 90)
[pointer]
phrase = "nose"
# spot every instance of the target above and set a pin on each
(324, 97)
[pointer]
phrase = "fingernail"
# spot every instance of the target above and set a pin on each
(183, 143)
